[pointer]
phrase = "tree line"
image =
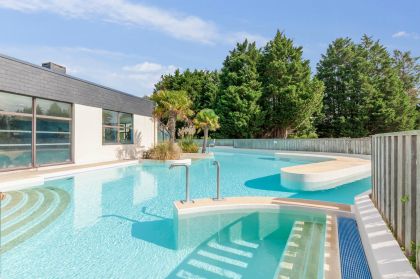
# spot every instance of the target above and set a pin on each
(359, 89)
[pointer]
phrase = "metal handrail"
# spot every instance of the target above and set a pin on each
(217, 198)
(187, 180)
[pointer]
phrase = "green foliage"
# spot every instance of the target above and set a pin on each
(363, 92)
(240, 90)
(408, 68)
(206, 120)
(290, 96)
(171, 105)
(164, 151)
(360, 89)
(200, 85)
(405, 199)
(188, 145)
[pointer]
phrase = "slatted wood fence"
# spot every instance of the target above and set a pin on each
(337, 145)
(396, 186)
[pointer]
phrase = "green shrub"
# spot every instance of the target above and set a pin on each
(164, 151)
(188, 145)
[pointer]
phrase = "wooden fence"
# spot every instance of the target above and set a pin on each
(396, 186)
(337, 145)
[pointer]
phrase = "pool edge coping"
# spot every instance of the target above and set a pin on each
(383, 253)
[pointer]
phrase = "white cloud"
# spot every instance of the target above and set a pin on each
(404, 34)
(124, 12)
(144, 67)
(233, 38)
(400, 34)
(147, 73)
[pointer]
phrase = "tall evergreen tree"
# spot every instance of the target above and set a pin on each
(343, 112)
(240, 90)
(408, 69)
(363, 92)
(290, 96)
(201, 86)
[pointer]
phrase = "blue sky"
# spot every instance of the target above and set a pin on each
(128, 44)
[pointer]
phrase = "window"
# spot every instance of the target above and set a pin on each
(15, 131)
(117, 127)
(53, 132)
(33, 137)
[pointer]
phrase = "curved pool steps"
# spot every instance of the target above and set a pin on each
(28, 212)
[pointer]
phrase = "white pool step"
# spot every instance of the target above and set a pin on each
(215, 260)
(304, 251)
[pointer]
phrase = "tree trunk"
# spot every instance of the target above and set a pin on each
(283, 132)
(172, 126)
(206, 134)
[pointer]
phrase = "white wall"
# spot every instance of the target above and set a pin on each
(87, 137)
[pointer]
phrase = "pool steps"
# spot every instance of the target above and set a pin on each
(27, 212)
(329, 246)
(301, 258)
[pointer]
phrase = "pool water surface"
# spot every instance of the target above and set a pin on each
(118, 223)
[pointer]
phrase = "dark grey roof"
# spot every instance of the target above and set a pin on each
(21, 77)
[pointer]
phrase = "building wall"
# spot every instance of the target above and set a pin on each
(87, 137)
(21, 77)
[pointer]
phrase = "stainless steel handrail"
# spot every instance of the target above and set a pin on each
(187, 180)
(217, 198)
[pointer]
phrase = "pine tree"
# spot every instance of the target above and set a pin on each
(240, 90)
(290, 96)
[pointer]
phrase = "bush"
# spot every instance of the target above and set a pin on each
(188, 145)
(164, 151)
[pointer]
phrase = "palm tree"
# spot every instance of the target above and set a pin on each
(173, 106)
(206, 120)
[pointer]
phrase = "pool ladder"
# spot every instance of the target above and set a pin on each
(187, 180)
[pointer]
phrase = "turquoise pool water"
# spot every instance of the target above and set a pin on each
(118, 223)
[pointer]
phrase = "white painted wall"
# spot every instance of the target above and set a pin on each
(87, 137)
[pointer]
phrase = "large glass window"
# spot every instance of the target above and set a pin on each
(33, 137)
(53, 132)
(117, 127)
(15, 131)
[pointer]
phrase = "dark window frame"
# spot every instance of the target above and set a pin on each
(117, 127)
(34, 131)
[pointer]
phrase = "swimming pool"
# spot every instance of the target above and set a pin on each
(118, 223)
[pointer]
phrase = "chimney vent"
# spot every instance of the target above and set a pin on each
(54, 67)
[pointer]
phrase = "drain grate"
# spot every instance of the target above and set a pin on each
(353, 259)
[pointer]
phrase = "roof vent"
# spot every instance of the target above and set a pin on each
(54, 67)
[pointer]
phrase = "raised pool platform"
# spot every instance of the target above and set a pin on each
(331, 258)
(326, 171)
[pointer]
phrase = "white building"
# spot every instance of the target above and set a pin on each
(48, 117)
